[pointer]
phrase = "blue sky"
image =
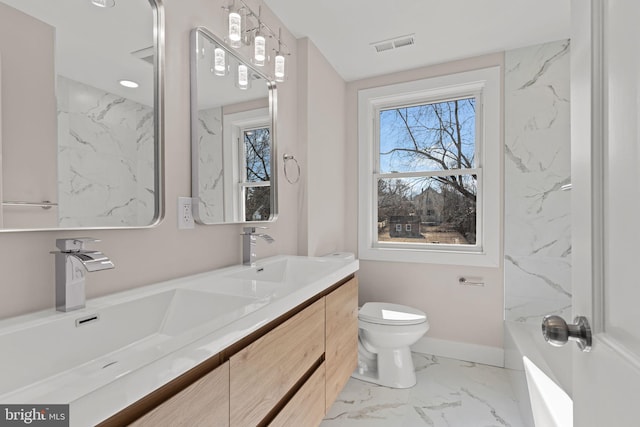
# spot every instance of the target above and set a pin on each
(425, 126)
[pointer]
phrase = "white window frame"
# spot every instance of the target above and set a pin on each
(234, 125)
(485, 84)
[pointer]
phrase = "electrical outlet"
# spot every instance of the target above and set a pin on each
(185, 215)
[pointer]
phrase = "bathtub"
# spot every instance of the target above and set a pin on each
(541, 376)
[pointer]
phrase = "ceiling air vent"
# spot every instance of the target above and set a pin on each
(381, 47)
(394, 43)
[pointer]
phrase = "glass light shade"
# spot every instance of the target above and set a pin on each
(279, 68)
(243, 76)
(103, 3)
(260, 51)
(219, 65)
(235, 29)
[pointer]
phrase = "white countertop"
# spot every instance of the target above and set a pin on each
(101, 386)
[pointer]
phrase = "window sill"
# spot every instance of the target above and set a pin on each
(452, 257)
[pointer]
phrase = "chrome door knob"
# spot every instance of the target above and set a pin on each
(557, 333)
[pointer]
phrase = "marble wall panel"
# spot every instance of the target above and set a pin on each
(105, 158)
(537, 165)
(210, 163)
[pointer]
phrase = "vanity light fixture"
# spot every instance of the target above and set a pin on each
(260, 49)
(219, 62)
(278, 70)
(235, 29)
(129, 83)
(243, 77)
(259, 43)
(247, 28)
(279, 67)
(103, 3)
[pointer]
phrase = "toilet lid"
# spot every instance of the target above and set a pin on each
(390, 314)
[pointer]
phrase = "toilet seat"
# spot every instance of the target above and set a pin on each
(390, 314)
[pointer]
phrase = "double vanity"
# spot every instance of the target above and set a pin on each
(244, 345)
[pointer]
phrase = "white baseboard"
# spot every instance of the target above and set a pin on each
(462, 351)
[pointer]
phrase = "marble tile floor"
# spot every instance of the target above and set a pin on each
(449, 393)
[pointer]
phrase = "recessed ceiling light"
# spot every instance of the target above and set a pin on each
(103, 3)
(128, 83)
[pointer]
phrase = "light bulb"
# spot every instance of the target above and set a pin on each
(260, 50)
(243, 76)
(219, 66)
(235, 29)
(279, 68)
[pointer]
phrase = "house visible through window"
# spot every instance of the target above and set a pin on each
(255, 186)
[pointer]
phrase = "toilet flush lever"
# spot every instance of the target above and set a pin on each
(470, 282)
(557, 333)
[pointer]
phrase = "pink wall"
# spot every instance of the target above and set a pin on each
(149, 255)
(29, 118)
(322, 130)
(456, 313)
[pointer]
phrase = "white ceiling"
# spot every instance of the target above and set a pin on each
(444, 30)
(94, 45)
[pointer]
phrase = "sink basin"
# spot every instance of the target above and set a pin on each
(88, 339)
(289, 270)
(189, 309)
(273, 272)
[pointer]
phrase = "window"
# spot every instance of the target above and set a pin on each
(247, 143)
(426, 161)
(430, 157)
(254, 185)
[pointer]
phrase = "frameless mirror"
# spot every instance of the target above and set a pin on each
(80, 114)
(232, 135)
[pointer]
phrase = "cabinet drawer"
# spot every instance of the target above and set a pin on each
(342, 338)
(203, 403)
(263, 372)
(306, 408)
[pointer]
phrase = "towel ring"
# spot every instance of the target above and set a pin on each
(287, 157)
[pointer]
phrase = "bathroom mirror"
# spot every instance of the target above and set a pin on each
(80, 114)
(233, 142)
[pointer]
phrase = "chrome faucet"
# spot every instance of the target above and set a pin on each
(249, 239)
(72, 263)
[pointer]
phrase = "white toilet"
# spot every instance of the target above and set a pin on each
(385, 333)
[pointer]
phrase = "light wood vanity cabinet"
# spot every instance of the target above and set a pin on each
(288, 373)
(264, 372)
(306, 407)
(341, 353)
(203, 403)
